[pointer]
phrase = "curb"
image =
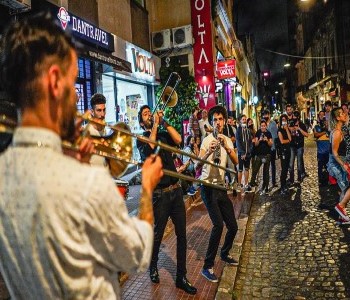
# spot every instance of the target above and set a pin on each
(228, 277)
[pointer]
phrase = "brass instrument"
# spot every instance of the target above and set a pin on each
(168, 95)
(117, 147)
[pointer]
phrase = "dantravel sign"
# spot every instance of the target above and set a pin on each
(226, 69)
(85, 31)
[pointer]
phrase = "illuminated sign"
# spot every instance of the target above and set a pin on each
(226, 69)
(142, 63)
(85, 31)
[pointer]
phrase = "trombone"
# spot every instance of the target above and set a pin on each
(168, 95)
(118, 146)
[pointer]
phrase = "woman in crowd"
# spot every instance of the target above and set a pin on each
(263, 143)
(337, 166)
(191, 148)
(283, 150)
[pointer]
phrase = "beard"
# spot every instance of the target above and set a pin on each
(69, 111)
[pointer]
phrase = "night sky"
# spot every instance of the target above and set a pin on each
(267, 21)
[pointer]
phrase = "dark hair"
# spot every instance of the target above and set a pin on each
(218, 109)
(296, 114)
(266, 112)
(263, 121)
(283, 116)
(139, 114)
(97, 99)
(289, 105)
(188, 139)
(241, 116)
(28, 46)
(328, 103)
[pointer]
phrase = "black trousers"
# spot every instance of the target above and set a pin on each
(273, 166)
(220, 209)
(165, 205)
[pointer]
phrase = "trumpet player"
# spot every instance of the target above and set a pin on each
(65, 230)
(167, 197)
(217, 146)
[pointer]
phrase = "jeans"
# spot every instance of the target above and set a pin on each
(273, 166)
(165, 205)
(299, 154)
(259, 160)
(285, 160)
(220, 209)
(338, 173)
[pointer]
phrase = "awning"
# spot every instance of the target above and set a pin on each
(106, 58)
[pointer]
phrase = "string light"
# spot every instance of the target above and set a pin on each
(304, 57)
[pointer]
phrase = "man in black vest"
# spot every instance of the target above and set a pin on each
(167, 197)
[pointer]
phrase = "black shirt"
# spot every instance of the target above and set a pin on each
(284, 133)
(167, 160)
(263, 147)
(297, 136)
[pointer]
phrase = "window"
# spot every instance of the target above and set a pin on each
(83, 86)
(140, 2)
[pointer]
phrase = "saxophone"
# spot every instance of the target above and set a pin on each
(217, 151)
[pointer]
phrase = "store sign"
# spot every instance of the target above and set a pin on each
(142, 63)
(203, 52)
(84, 30)
(226, 69)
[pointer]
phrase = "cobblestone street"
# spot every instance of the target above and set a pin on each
(293, 247)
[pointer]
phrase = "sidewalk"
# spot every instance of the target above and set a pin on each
(198, 231)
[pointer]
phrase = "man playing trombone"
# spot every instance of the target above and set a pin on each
(65, 232)
(218, 148)
(167, 197)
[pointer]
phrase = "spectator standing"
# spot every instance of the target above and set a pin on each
(244, 148)
(204, 125)
(299, 132)
(263, 143)
(283, 149)
(273, 129)
(321, 135)
(337, 166)
(193, 124)
(327, 108)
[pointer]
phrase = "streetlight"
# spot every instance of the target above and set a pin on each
(287, 65)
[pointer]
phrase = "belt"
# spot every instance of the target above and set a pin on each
(168, 188)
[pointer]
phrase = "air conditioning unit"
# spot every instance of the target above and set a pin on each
(182, 36)
(161, 40)
(22, 5)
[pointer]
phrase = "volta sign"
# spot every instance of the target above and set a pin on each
(226, 69)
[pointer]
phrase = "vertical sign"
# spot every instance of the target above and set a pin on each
(203, 52)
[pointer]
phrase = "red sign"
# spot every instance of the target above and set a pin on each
(226, 69)
(203, 52)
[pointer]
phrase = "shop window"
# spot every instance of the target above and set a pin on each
(83, 86)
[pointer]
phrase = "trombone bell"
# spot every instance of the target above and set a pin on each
(173, 99)
(117, 147)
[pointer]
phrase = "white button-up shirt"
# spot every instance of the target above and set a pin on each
(64, 229)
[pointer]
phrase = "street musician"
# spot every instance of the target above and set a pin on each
(167, 197)
(218, 148)
(65, 232)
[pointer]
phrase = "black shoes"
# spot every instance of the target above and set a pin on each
(184, 284)
(154, 275)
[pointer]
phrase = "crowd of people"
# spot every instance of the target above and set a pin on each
(61, 240)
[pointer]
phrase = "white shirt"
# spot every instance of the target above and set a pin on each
(209, 172)
(202, 129)
(64, 229)
(97, 160)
